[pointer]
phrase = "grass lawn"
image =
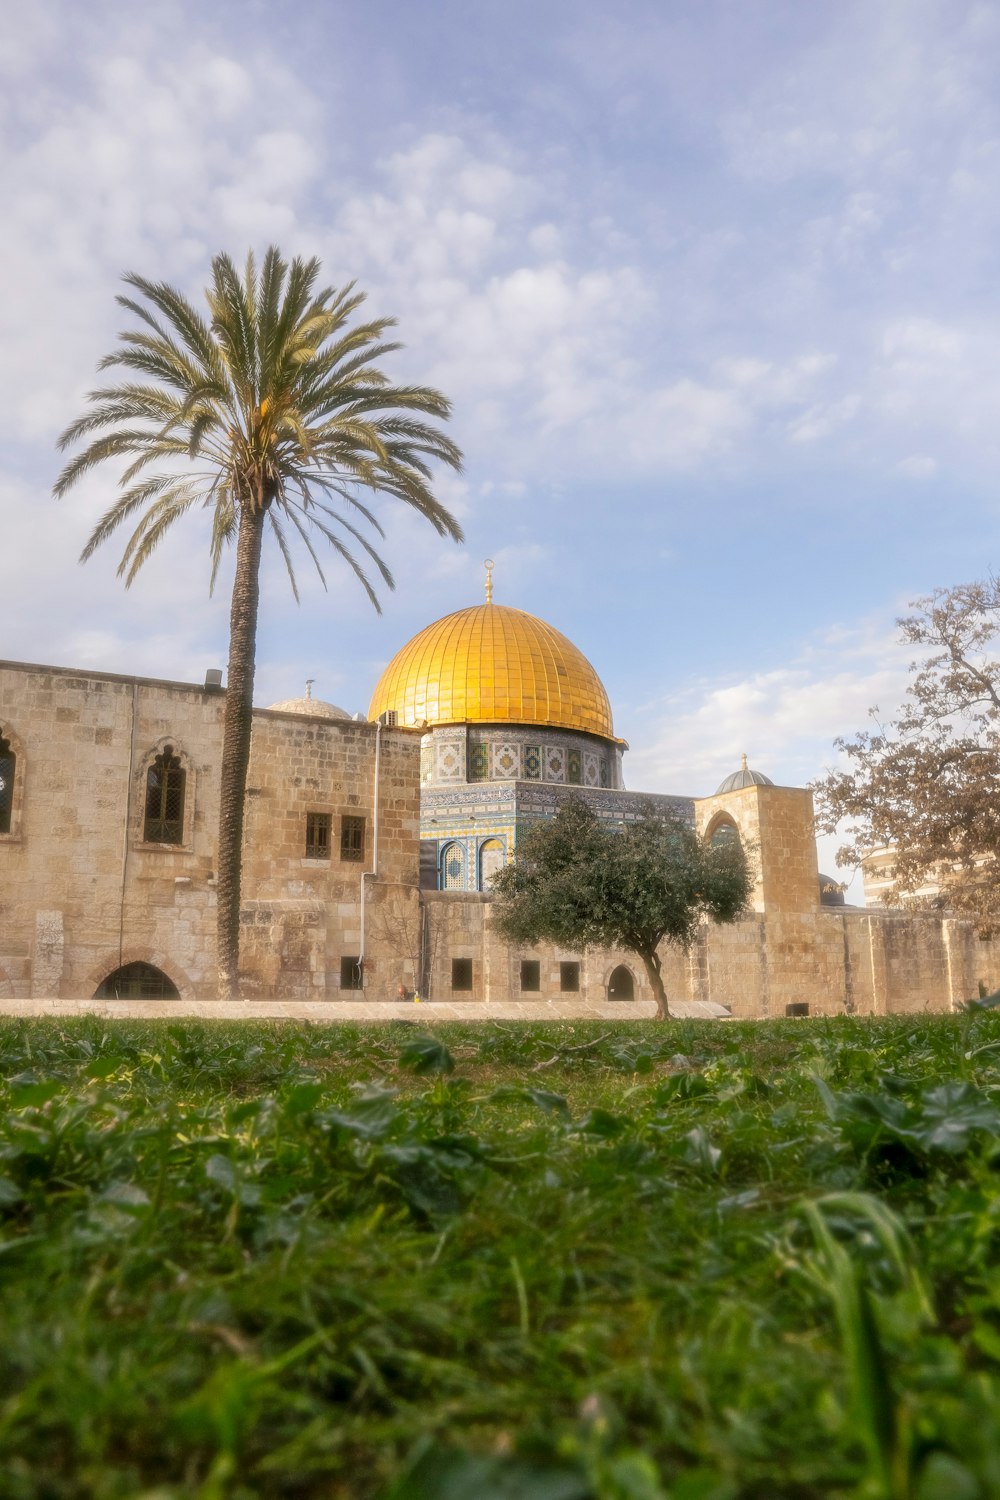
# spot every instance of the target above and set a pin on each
(701, 1261)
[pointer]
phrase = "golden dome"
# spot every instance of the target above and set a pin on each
(491, 664)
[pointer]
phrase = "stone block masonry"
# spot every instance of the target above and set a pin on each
(91, 882)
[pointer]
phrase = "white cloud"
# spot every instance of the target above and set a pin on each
(918, 466)
(785, 718)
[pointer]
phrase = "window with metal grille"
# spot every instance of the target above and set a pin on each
(461, 973)
(8, 763)
(352, 838)
(532, 763)
(137, 982)
(479, 762)
(318, 835)
(569, 977)
(531, 974)
(575, 771)
(453, 868)
(351, 973)
(797, 1008)
(164, 820)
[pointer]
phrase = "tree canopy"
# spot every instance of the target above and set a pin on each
(274, 415)
(580, 882)
(927, 784)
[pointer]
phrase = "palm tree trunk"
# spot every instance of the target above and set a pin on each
(651, 962)
(236, 743)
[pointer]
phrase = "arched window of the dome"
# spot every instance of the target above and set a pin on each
(453, 867)
(491, 859)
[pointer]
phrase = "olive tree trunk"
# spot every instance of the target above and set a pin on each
(236, 744)
(651, 963)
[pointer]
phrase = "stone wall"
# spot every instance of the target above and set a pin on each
(82, 894)
(834, 961)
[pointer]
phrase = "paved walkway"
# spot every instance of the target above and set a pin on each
(424, 1011)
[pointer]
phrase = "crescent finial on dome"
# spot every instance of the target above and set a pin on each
(489, 565)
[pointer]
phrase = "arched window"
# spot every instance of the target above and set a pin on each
(137, 982)
(453, 868)
(164, 818)
(722, 832)
(8, 766)
(491, 859)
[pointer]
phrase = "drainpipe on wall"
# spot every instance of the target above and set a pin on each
(371, 874)
(128, 816)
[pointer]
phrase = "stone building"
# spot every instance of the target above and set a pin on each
(369, 844)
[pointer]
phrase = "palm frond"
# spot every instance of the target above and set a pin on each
(279, 399)
(279, 537)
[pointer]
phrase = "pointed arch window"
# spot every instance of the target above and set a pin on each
(453, 867)
(8, 766)
(491, 860)
(723, 832)
(164, 818)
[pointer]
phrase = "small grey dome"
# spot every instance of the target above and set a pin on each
(316, 708)
(743, 777)
(831, 892)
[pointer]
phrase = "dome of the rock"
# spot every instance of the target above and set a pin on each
(491, 664)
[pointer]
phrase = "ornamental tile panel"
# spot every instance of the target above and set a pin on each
(506, 762)
(555, 763)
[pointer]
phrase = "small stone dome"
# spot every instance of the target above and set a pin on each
(316, 708)
(743, 777)
(831, 891)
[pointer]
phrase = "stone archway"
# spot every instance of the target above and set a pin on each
(621, 983)
(137, 981)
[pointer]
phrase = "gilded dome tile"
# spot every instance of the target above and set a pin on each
(491, 664)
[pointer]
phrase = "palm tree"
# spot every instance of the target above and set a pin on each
(275, 416)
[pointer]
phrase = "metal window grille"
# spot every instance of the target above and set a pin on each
(531, 974)
(479, 762)
(351, 973)
(569, 977)
(453, 868)
(8, 762)
(164, 821)
(318, 835)
(137, 981)
(532, 762)
(352, 838)
(461, 973)
(575, 773)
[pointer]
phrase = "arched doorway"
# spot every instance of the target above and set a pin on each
(621, 985)
(137, 982)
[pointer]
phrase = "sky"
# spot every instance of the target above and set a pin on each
(711, 287)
